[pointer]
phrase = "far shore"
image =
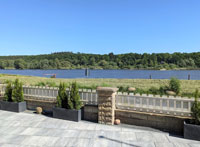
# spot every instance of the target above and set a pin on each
(163, 69)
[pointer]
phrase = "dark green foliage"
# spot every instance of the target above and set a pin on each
(58, 101)
(51, 84)
(162, 90)
(196, 108)
(154, 91)
(175, 85)
(20, 64)
(141, 91)
(40, 84)
(17, 93)
(7, 81)
(75, 97)
(8, 92)
(48, 84)
(2, 65)
(62, 98)
(69, 60)
(123, 89)
(71, 101)
(189, 94)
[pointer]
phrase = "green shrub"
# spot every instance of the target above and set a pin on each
(163, 89)
(42, 84)
(71, 101)
(154, 91)
(7, 81)
(8, 92)
(17, 92)
(175, 85)
(196, 108)
(123, 89)
(74, 101)
(50, 84)
(140, 91)
(62, 98)
(88, 87)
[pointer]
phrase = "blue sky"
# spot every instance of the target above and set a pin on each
(99, 26)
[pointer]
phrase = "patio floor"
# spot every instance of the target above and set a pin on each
(24, 129)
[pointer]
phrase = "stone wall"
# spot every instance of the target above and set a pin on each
(106, 105)
(45, 105)
(158, 121)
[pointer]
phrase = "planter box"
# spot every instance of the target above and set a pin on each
(191, 131)
(13, 106)
(67, 114)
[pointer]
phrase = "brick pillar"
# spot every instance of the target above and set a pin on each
(106, 105)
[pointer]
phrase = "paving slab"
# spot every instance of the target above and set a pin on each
(31, 130)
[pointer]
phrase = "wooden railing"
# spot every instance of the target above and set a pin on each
(176, 106)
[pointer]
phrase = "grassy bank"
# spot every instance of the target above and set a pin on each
(187, 86)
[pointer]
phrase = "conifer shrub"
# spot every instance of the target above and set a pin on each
(17, 92)
(62, 98)
(60, 95)
(8, 92)
(75, 97)
(71, 100)
(196, 108)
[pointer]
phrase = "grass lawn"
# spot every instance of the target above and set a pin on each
(187, 86)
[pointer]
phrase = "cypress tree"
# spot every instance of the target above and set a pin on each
(70, 102)
(75, 97)
(196, 108)
(8, 92)
(62, 96)
(17, 93)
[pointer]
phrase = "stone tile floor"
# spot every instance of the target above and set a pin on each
(23, 129)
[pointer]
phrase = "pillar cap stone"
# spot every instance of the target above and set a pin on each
(110, 89)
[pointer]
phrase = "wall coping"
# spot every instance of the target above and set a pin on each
(108, 89)
(155, 114)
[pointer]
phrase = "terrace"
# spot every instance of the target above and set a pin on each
(29, 129)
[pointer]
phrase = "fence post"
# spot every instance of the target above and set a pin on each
(106, 105)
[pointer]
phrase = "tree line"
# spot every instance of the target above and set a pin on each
(69, 60)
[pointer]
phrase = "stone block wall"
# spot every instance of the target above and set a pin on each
(45, 105)
(106, 105)
(158, 121)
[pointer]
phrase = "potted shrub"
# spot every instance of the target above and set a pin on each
(68, 105)
(192, 127)
(13, 98)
